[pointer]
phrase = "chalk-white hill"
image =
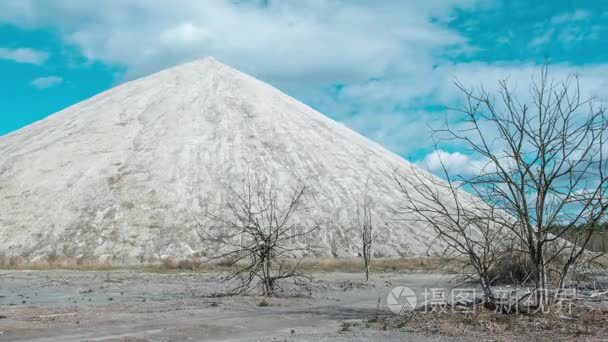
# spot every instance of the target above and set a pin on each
(121, 175)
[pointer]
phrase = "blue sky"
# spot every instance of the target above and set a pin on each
(384, 68)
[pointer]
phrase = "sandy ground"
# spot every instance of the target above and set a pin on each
(138, 306)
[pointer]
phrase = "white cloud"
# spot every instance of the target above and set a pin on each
(391, 111)
(456, 163)
(577, 15)
(47, 82)
(310, 40)
(564, 28)
(185, 34)
(542, 38)
(302, 47)
(593, 83)
(24, 55)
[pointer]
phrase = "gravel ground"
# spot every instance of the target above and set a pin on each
(137, 306)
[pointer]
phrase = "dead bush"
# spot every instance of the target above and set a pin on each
(512, 270)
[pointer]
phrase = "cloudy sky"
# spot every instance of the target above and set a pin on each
(384, 68)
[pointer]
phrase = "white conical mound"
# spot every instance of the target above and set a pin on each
(122, 175)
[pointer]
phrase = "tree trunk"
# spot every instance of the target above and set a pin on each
(267, 281)
(542, 295)
(486, 287)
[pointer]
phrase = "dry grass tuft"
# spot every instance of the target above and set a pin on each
(53, 262)
(354, 265)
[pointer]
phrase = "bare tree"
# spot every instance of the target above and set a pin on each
(545, 167)
(259, 235)
(365, 226)
(468, 232)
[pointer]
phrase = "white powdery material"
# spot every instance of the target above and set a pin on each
(123, 174)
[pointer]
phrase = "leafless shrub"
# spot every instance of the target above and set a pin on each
(259, 235)
(467, 229)
(513, 268)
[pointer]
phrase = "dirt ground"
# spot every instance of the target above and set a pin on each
(133, 305)
(67, 305)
